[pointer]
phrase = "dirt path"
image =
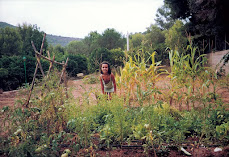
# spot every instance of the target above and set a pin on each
(77, 87)
(8, 98)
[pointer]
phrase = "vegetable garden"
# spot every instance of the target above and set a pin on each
(185, 116)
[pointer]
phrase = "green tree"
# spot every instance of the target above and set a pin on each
(10, 42)
(77, 47)
(175, 37)
(154, 37)
(208, 19)
(136, 40)
(77, 64)
(30, 33)
(111, 39)
(59, 52)
(117, 57)
(163, 17)
(179, 8)
(58, 49)
(50, 48)
(12, 73)
(155, 41)
(92, 41)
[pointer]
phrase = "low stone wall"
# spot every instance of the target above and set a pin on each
(214, 59)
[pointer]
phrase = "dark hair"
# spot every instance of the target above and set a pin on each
(109, 68)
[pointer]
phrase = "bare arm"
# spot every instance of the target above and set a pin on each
(101, 82)
(114, 82)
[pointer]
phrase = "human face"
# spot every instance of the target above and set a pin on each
(105, 68)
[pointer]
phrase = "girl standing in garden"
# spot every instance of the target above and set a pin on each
(107, 79)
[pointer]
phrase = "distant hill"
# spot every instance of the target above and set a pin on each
(51, 39)
(4, 25)
(63, 41)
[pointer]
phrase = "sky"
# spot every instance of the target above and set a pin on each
(77, 18)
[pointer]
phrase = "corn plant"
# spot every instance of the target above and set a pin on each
(186, 69)
(194, 66)
(136, 76)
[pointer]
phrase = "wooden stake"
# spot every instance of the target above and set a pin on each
(50, 66)
(63, 70)
(48, 59)
(30, 92)
(38, 56)
(34, 75)
(38, 59)
(65, 84)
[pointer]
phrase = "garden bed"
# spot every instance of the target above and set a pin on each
(87, 95)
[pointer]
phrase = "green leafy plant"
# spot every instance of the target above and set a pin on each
(222, 131)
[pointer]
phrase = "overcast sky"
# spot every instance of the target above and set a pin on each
(77, 18)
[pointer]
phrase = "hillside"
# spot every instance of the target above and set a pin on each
(4, 24)
(63, 41)
(51, 39)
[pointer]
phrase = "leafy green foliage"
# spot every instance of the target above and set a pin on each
(13, 72)
(175, 37)
(136, 40)
(207, 19)
(77, 47)
(77, 64)
(10, 42)
(117, 57)
(111, 39)
(52, 121)
(92, 41)
(163, 17)
(155, 41)
(223, 131)
(30, 33)
(35, 126)
(179, 9)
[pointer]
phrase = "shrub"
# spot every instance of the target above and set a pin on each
(77, 64)
(12, 71)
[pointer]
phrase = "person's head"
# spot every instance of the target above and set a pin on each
(105, 67)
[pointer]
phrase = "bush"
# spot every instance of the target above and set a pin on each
(77, 64)
(12, 73)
